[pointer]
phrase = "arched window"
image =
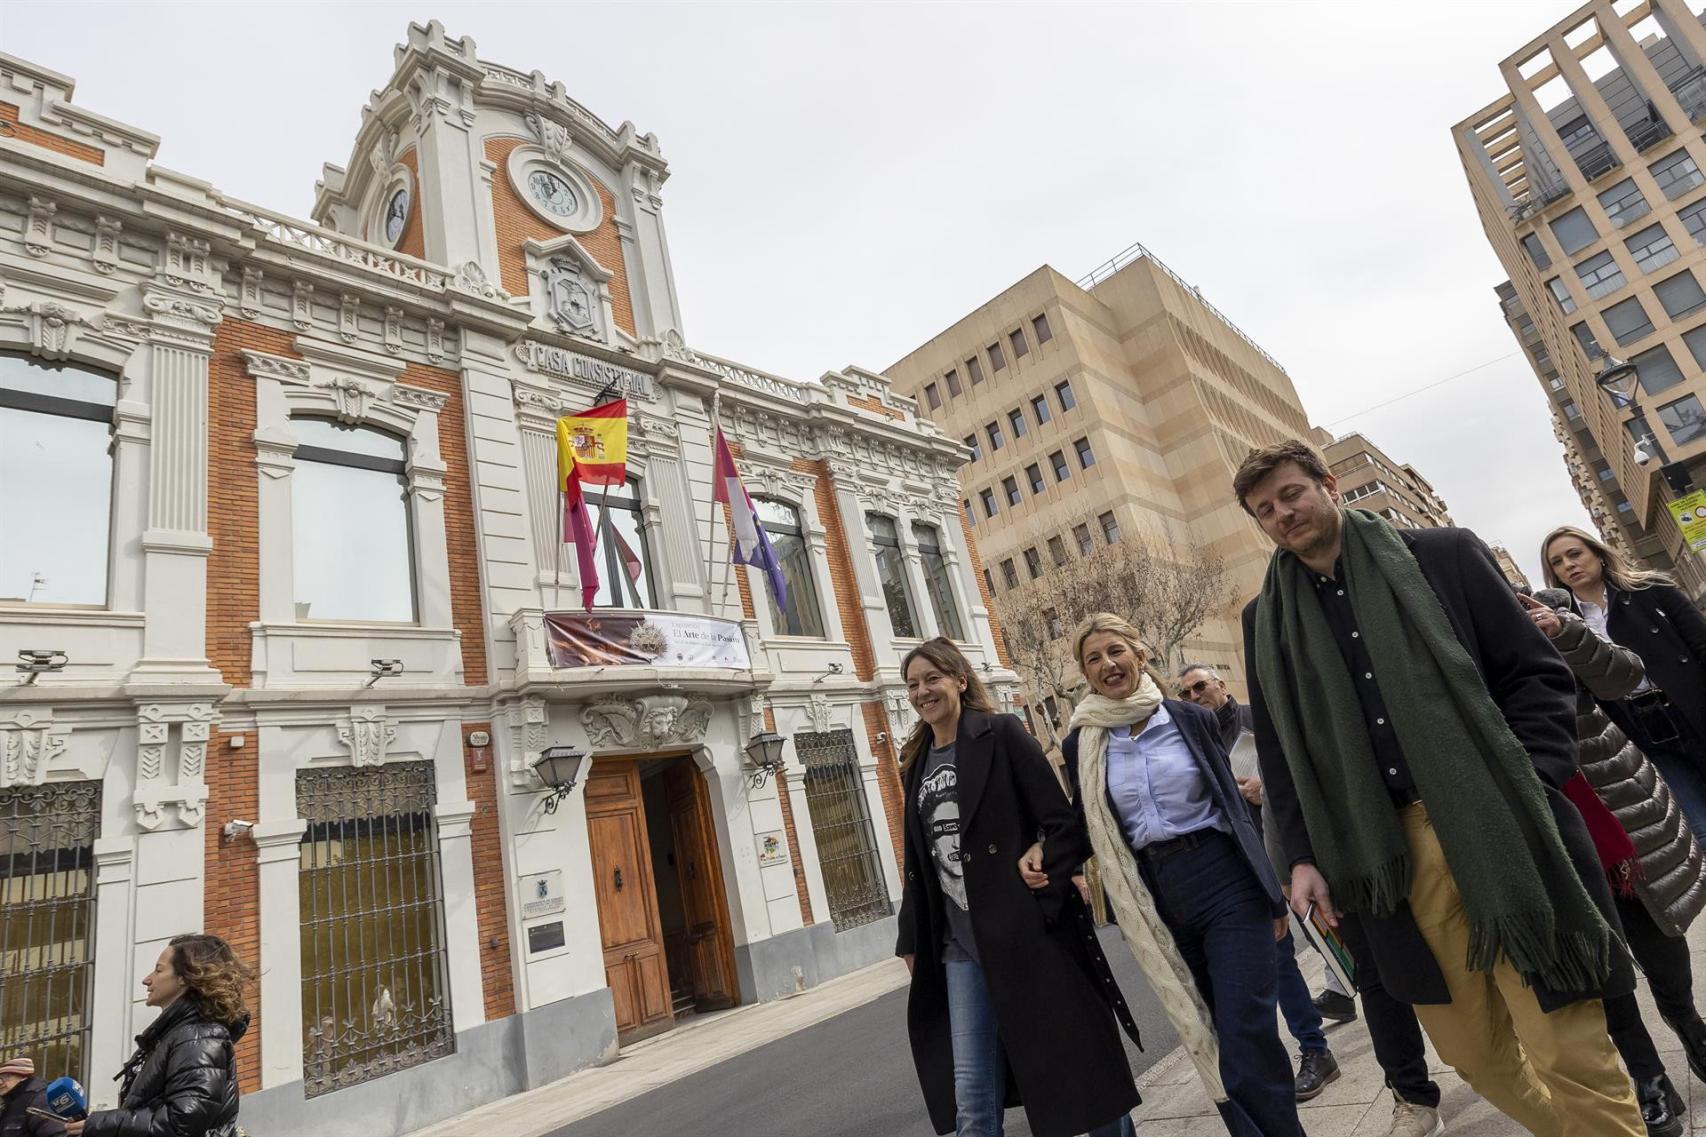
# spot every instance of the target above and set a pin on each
(891, 572)
(350, 535)
(56, 481)
(782, 522)
(624, 564)
(936, 581)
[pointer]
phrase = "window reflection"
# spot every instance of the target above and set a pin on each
(803, 616)
(351, 544)
(624, 563)
(56, 478)
(891, 573)
(936, 581)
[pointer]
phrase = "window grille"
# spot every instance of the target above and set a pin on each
(841, 821)
(47, 886)
(374, 995)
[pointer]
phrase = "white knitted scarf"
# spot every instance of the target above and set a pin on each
(1140, 923)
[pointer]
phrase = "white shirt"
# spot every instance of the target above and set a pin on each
(1159, 791)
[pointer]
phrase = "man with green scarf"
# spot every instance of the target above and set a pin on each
(1414, 731)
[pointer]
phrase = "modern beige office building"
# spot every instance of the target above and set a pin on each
(1121, 403)
(1588, 179)
(1371, 479)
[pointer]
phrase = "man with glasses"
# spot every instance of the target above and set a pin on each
(1316, 1067)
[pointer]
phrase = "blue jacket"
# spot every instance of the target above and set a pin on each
(1201, 732)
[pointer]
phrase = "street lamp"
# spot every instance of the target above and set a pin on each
(1621, 380)
(764, 757)
(559, 767)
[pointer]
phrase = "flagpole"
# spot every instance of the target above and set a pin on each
(711, 528)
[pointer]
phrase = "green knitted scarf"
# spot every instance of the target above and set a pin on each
(1522, 896)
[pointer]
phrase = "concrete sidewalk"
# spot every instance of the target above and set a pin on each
(1359, 1105)
(702, 1042)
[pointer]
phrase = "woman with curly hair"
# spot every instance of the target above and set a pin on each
(182, 1080)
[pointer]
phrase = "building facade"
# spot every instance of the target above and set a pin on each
(1370, 479)
(279, 547)
(1587, 178)
(1120, 404)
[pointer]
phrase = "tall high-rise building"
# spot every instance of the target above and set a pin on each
(1119, 404)
(1588, 179)
(1371, 479)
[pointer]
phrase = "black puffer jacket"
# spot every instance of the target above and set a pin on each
(1671, 881)
(181, 1082)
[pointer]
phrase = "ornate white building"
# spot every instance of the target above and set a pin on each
(279, 559)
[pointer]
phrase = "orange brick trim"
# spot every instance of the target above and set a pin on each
(231, 896)
(983, 591)
(234, 567)
(10, 127)
(800, 890)
(841, 568)
(516, 223)
(491, 885)
(413, 241)
(868, 404)
(888, 776)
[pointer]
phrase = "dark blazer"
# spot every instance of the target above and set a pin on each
(181, 1082)
(16, 1122)
(1201, 732)
(1659, 624)
(1055, 998)
(1534, 689)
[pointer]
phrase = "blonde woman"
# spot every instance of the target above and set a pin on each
(1643, 611)
(1185, 872)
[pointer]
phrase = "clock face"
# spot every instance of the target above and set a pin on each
(396, 214)
(552, 193)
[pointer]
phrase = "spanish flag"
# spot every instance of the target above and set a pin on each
(595, 442)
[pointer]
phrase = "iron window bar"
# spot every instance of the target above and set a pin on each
(841, 822)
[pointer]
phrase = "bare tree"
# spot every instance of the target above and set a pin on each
(1164, 587)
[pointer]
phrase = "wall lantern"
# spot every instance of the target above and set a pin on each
(559, 767)
(764, 757)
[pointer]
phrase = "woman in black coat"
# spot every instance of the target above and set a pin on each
(1011, 1001)
(1646, 613)
(182, 1080)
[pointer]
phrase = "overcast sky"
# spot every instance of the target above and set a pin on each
(847, 180)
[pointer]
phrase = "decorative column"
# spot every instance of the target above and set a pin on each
(278, 847)
(110, 1030)
(185, 304)
(451, 172)
(426, 470)
(461, 918)
(871, 598)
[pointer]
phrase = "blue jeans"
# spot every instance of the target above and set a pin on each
(1296, 1004)
(1219, 915)
(980, 1067)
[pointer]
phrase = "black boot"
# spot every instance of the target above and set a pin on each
(1692, 1032)
(1661, 1107)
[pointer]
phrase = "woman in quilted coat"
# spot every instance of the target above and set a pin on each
(182, 1080)
(1658, 872)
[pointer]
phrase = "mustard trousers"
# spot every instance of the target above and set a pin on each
(1555, 1073)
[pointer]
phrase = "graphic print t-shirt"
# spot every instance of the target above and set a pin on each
(939, 808)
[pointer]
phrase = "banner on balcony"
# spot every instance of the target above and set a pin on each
(669, 639)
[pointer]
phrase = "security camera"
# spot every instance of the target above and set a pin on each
(1642, 457)
(237, 829)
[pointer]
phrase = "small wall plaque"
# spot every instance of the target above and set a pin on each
(544, 937)
(772, 848)
(542, 894)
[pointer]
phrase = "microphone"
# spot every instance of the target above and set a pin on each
(1555, 598)
(65, 1097)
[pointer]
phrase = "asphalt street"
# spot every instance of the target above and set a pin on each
(850, 1076)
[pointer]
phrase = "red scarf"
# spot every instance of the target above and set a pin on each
(1610, 840)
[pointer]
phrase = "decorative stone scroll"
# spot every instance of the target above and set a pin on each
(368, 733)
(649, 722)
(162, 784)
(29, 742)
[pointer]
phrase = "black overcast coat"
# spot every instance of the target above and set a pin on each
(1533, 688)
(181, 1082)
(1055, 999)
(1658, 624)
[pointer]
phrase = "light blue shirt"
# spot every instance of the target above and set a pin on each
(1159, 791)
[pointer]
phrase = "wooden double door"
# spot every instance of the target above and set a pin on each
(626, 884)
